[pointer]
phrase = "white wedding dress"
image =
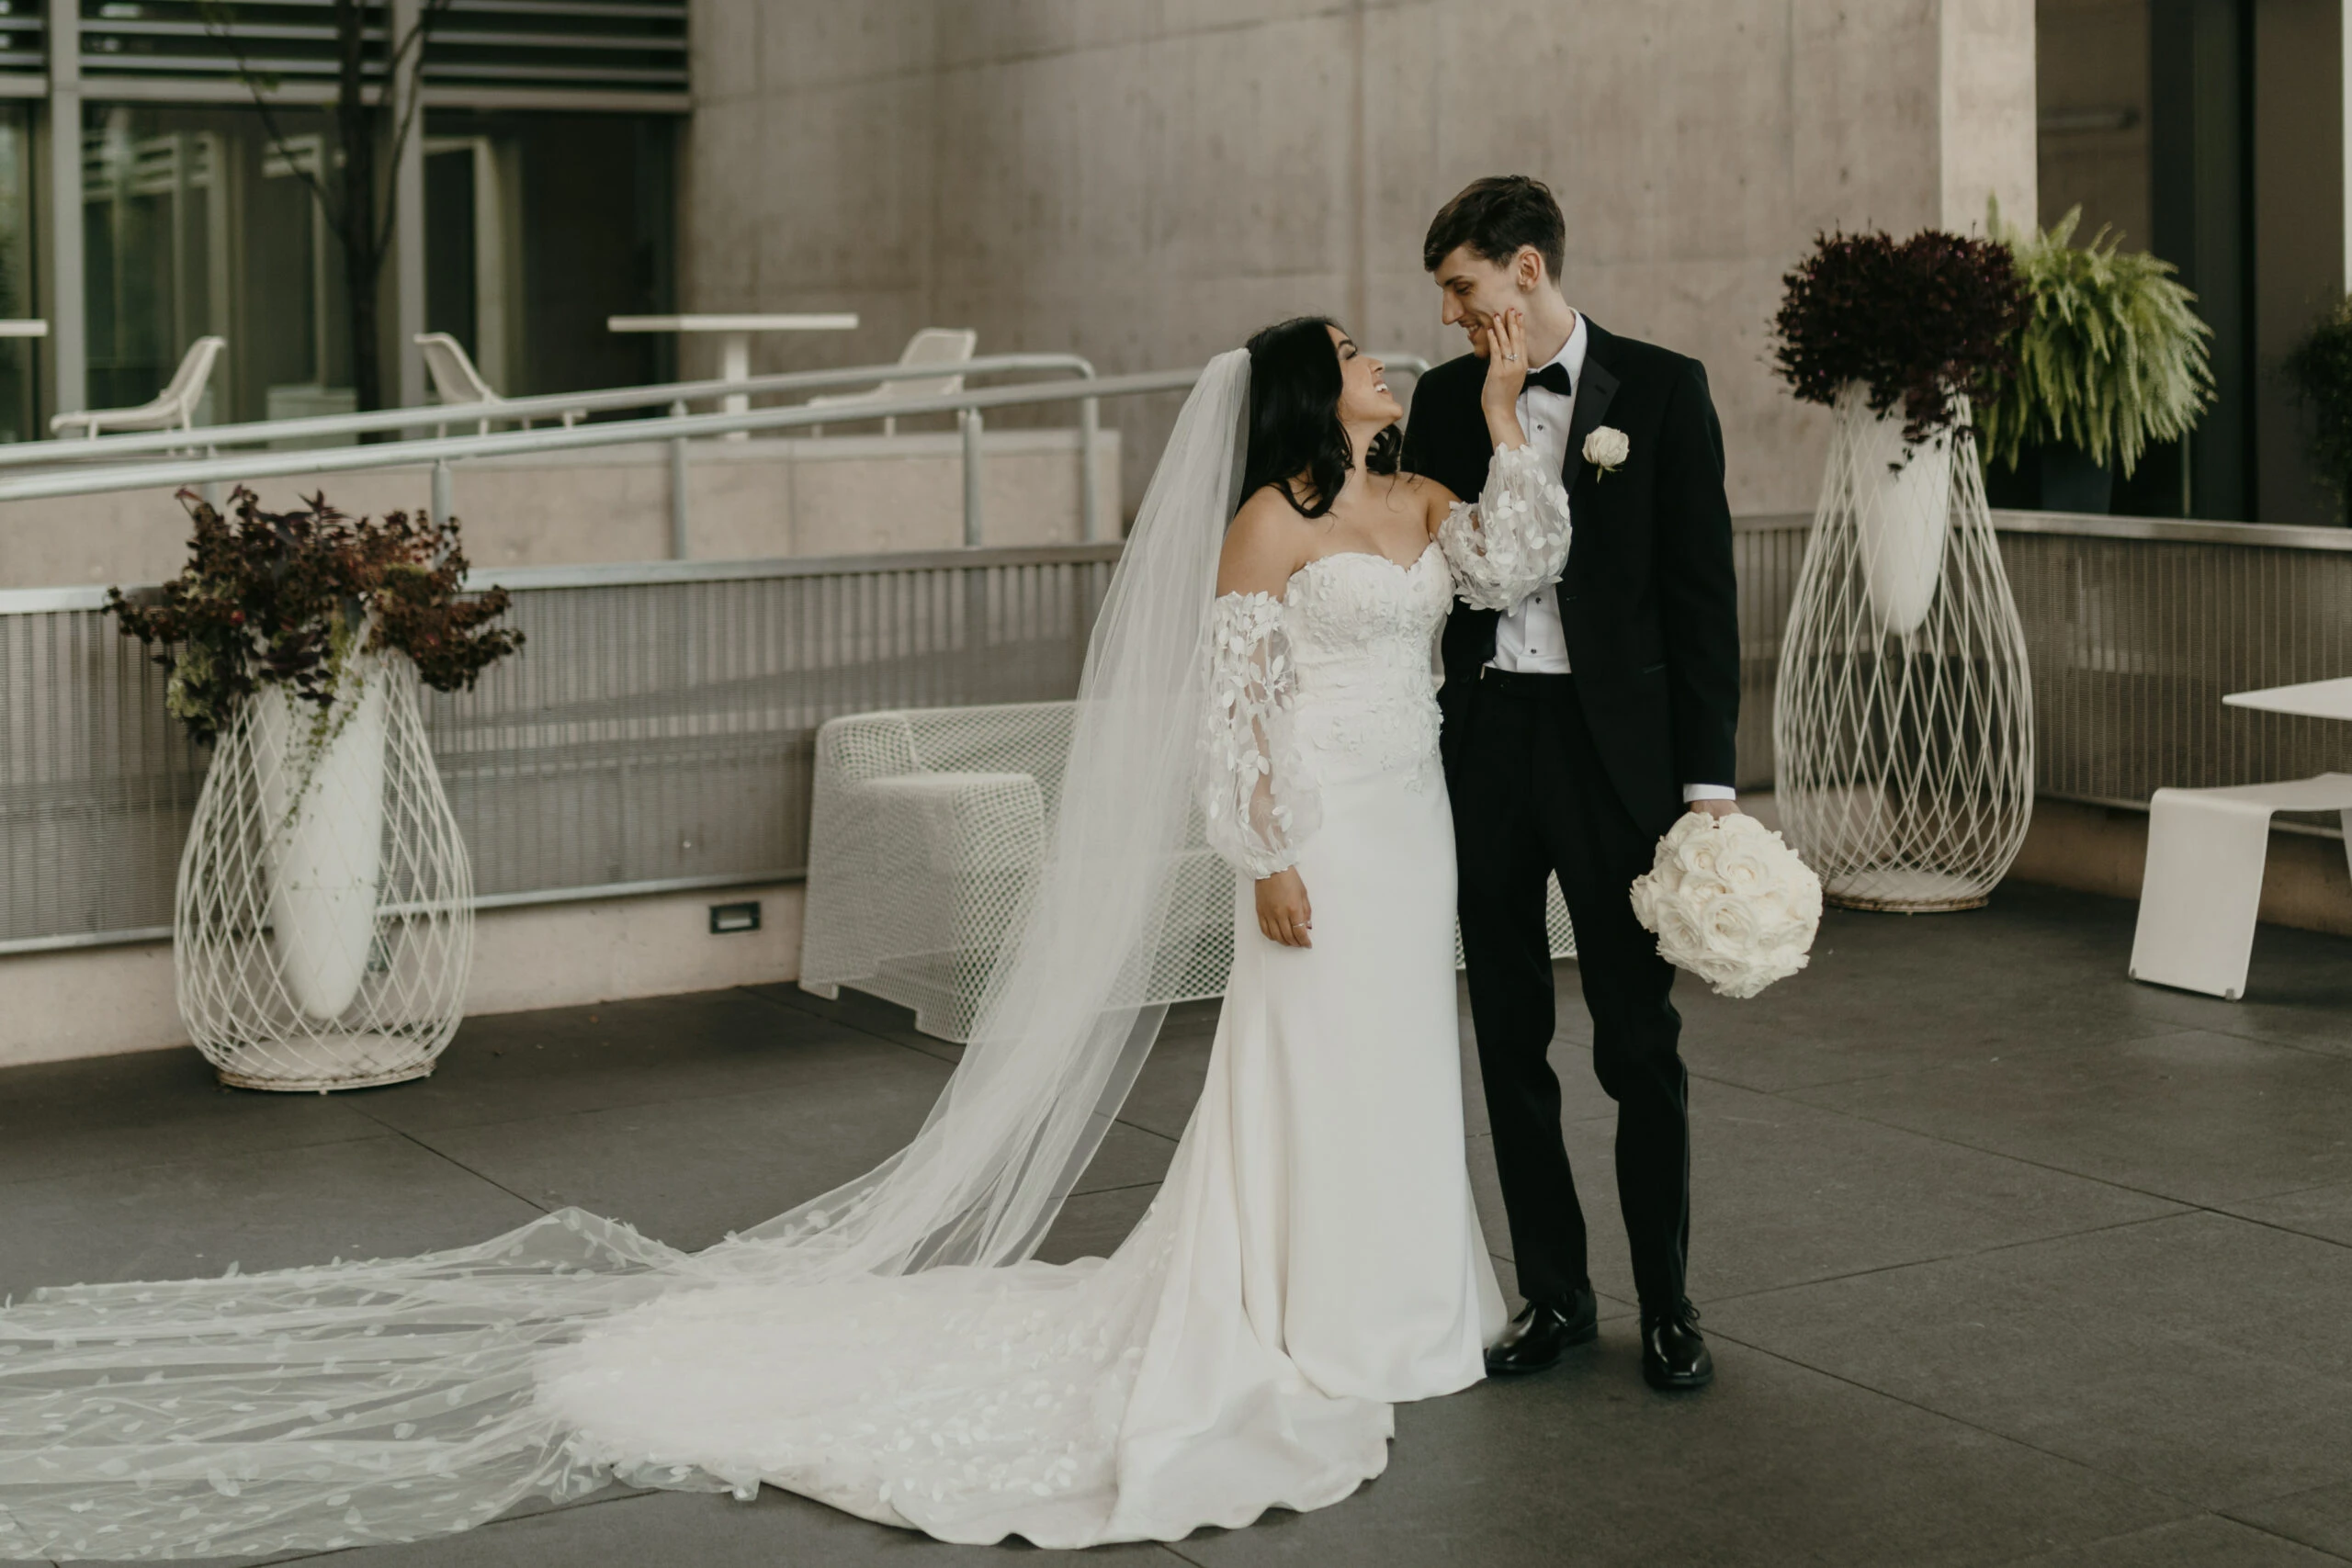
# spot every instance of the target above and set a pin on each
(1312, 1257)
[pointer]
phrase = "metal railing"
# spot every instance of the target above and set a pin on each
(2135, 629)
(654, 734)
(176, 467)
(507, 411)
(93, 460)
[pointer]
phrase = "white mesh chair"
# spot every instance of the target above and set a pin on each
(933, 345)
(455, 379)
(925, 836)
(2202, 886)
(174, 406)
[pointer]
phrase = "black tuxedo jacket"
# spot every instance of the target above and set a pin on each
(1648, 600)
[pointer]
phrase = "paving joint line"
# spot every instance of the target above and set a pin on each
(2188, 1205)
(357, 1137)
(405, 1134)
(892, 1040)
(2275, 1535)
(1964, 1421)
(1938, 1257)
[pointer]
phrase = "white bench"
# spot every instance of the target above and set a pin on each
(2202, 885)
(924, 837)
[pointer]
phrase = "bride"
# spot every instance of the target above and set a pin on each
(891, 1348)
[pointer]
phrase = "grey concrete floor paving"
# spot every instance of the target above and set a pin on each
(2006, 1259)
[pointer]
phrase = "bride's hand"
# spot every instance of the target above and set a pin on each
(1283, 911)
(1506, 376)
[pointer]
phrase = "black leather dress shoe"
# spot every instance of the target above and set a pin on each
(1542, 1334)
(1674, 1355)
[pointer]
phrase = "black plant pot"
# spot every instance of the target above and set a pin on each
(2052, 478)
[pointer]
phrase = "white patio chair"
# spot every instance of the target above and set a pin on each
(455, 379)
(924, 841)
(2202, 886)
(174, 406)
(933, 345)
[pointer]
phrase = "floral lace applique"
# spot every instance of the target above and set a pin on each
(1360, 634)
(1515, 539)
(1258, 802)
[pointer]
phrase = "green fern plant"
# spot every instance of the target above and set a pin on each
(2113, 358)
(2321, 368)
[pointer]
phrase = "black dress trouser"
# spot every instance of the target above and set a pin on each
(1532, 800)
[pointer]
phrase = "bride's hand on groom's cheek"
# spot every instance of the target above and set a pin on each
(1506, 338)
(1506, 376)
(1283, 913)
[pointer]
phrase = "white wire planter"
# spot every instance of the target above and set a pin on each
(1903, 721)
(322, 930)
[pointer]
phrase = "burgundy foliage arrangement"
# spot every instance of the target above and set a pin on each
(284, 597)
(1922, 322)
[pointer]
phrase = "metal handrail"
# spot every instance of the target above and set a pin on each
(677, 428)
(653, 573)
(507, 444)
(2104, 526)
(543, 405)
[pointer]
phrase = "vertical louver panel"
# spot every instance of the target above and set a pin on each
(24, 39)
(603, 44)
(597, 47)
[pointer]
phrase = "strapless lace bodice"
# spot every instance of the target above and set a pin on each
(1360, 629)
(1333, 680)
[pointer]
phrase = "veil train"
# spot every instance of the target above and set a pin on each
(371, 1401)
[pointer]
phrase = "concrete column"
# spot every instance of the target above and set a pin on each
(1985, 111)
(69, 356)
(408, 217)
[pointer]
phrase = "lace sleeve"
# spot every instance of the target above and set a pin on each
(1258, 802)
(1515, 540)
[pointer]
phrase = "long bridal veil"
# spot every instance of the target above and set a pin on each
(359, 1403)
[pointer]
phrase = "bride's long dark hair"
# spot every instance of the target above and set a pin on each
(1295, 425)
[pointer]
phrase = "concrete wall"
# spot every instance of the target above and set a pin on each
(104, 1001)
(1148, 181)
(837, 495)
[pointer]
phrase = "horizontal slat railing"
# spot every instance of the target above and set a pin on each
(2135, 629)
(655, 732)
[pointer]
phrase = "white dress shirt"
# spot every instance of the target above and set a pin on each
(1531, 639)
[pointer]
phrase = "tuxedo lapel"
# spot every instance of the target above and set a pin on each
(1593, 395)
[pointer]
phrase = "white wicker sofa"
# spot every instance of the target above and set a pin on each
(924, 838)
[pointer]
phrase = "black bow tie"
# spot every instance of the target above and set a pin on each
(1552, 378)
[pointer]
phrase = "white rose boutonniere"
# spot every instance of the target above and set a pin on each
(1607, 449)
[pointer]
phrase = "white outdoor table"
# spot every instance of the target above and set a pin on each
(24, 329)
(2313, 699)
(735, 337)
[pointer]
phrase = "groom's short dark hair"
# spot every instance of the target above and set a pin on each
(1494, 217)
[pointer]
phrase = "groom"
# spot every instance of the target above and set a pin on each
(1577, 727)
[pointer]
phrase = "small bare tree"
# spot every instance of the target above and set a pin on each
(348, 180)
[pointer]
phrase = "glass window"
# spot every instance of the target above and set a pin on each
(20, 358)
(195, 224)
(2211, 132)
(539, 226)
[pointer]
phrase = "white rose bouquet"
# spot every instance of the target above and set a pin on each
(1730, 902)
